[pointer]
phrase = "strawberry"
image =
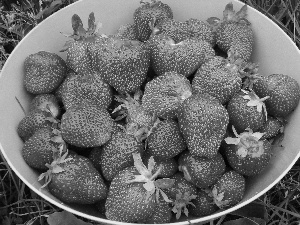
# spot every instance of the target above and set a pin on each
(247, 110)
(272, 127)
(122, 63)
(34, 120)
(284, 92)
(86, 88)
(203, 122)
(116, 154)
(203, 204)
(229, 189)
(38, 150)
(147, 15)
(58, 91)
(247, 153)
(182, 193)
(85, 125)
(72, 178)
(165, 141)
(134, 192)
(183, 57)
(44, 72)
(201, 171)
(217, 77)
(46, 102)
(168, 166)
(127, 31)
(77, 49)
(234, 32)
(165, 93)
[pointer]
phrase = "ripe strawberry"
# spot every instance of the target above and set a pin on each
(46, 102)
(44, 72)
(183, 57)
(203, 122)
(165, 93)
(116, 154)
(201, 171)
(217, 77)
(229, 189)
(34, 120)
(247, 110)
(122, 63)
(38, 150)
(234, 32)
(272, 127)
(134, 192)
(127, 31)
(284, 92)
(203, 204)
(59, 90)
(86, 125)
(182, 193)
(86, 88)
(72, 178)
(168, 166)
(77, 49)
(165, 140)
(147, 15)
(247, 153)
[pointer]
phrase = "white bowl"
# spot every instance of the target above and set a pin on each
(273, 49)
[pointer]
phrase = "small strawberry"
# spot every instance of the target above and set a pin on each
(135, 192)
(116, 154)
(203, 122)
(165, 140)
(229, 189)
(58, 91)
(247, 110)
(46, 102)
(203, 204)
(86, 88)
(184, 57)
(127, 31)
(77, 49)
(147, 15)
(272, 127)
(201, 171)
(234, 32)
(72, 178)
(284, 92)
(217, 77)
(86, 125)
(165, 93)
(246, 153)
(44, 72)
(38, 150)
(122, 63)
(182, 193)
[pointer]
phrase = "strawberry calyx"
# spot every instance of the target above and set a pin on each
(147, 177)
(255, 101)
(181, 202)
(248, 142)
(233, 62)
(249, 74)
(218, 198)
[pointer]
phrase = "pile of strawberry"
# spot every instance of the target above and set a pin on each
(164, 117)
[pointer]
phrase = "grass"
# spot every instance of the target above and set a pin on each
(19, 205)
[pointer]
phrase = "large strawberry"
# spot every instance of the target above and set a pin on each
(147, 15)
(122, 63)
(72, 178)
(86, 88)
(183, 57)
(165, 93)
(165, 141)
(234, 32)
(201, 171)
(284, 93)
(218, 77)
(247, 110)
(247, 153)
(203, 122)
(44, 72)
(135, 192)
(86, 125)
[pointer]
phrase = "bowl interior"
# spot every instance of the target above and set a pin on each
(273, 50)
